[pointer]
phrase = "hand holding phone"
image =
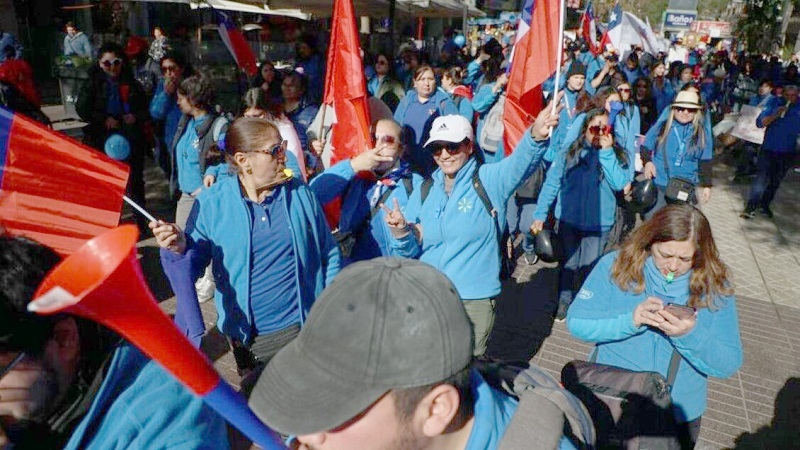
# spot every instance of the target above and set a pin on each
(680, 311)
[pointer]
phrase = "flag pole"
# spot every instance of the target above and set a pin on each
(560, 54)
(141, 210)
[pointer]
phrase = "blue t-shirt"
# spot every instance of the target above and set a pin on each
(273, 281)
(188, 153)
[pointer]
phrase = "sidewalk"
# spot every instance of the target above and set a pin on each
(763, 254)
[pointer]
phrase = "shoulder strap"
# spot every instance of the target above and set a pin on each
(674, 362)
(216, 128)
(481, 191)
(425, 189)
(664, 151)
(409, 185)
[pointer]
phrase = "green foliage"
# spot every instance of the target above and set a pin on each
(760, 24)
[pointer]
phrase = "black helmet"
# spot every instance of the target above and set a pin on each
(643, 195)
(546, 245)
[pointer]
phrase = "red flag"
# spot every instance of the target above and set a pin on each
(236, 43)
(53, 189)
(589, 29)
(345, 85)
(534, 60)
(346, 93)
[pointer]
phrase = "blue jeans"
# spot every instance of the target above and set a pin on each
(519, 217)
(581, 250)
(772, 167)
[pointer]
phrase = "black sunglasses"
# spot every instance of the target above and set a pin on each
(682, 109)
(452, 148)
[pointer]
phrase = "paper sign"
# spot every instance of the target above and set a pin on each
(746, 128)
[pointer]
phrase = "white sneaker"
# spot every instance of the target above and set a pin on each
(205, 287)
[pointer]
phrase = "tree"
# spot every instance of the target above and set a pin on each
(760, 24)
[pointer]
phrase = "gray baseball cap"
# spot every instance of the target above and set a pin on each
(382, 324)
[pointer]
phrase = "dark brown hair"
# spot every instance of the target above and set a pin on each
(258, 98)
(246, 134)
(710, 276)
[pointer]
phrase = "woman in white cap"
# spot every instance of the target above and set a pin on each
(457, 218)
(677, 154)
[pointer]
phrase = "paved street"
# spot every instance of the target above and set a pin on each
(757, 408)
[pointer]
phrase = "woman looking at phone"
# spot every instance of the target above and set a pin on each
(622, 308)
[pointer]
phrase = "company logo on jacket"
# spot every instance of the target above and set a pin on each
(464, 205)
(585, 295)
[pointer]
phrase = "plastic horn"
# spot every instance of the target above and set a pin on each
(102, 281)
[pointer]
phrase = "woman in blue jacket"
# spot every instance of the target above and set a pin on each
(586, 180)
(416, 113)
(266, 234)
(453, 230)
(164, 106)
(487, 93)
(680, 147)
(622, 308)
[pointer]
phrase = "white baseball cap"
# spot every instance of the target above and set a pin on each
(453, 128)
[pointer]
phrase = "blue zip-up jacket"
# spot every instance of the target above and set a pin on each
(563, 134)
(663, 96)
(631, 75)
(458, 235)
(473, 76)
(301, 118)
(482, 103)
(603, 313)
(464, 105)
(586, 189)
(165, 107)
(759, 99)
(219, 230)
(781, 135)
(626, 127)
(680, 135)
(141, 406)
(357, 192)
(77, 45)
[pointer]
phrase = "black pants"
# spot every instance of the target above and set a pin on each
(688, 432)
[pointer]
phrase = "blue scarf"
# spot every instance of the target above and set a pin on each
(656, 284)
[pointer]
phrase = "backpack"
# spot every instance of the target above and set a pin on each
(506, 265)
(546, 410)
(532, 186)
(491, 136)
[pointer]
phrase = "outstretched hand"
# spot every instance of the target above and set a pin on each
(547, 119)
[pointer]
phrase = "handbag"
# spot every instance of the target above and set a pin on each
(630, 410)
(679, 190)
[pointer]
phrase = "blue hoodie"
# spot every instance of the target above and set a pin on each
(458, 235)
(603, 313)
(683, 158)
(341, 180)
(219, 230)
(586, 187)
(141, 406)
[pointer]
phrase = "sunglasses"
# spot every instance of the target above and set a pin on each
(11, 365)
(169, 68)
(385, 139)
(452, 148)
(600, 129)
(108, 63)
(682, 109)
(624, 89)
(275, 151)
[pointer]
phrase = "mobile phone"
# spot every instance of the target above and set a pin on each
(680, 311)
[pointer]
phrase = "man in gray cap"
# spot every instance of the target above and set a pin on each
(385, 361)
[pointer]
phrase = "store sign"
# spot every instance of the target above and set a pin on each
(711, 28)
(679, 19)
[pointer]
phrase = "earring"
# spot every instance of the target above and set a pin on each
(249, 171)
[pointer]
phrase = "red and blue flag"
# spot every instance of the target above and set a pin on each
(236, 43)
(535, 58)
(589, 29)
(54, 189)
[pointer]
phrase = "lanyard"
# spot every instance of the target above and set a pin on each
(681, 148)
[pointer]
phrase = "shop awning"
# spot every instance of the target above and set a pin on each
(380, 8)
(252, 8)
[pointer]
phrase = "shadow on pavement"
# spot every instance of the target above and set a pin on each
(524, 316)
(784, 431)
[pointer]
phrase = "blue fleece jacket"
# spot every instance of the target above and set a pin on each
(482, 103)
(340, 180)
(781, 135)
(683, 158)
(627, 126)
(563, 134)
(603, 313)
(663, 95)
(141, 406)
(165, 107)
(219, 230)
(458, 235)
(586, 187)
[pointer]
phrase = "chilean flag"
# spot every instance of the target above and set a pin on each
(53, 189)
(535, 58)
(613, 34)
(237, 44)
(589, 29)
